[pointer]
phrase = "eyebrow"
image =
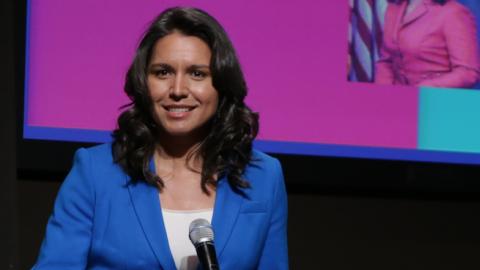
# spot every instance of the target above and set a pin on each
(200, 66)
(164, 65)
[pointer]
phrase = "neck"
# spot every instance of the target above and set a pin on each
(180, 150)
(178, 147)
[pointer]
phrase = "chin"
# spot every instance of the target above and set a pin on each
(183, 132)
(184, 129)
(177, 131)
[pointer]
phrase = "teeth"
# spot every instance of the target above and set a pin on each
(178, 109)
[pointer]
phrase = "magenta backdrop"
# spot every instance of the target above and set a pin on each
(293, 54)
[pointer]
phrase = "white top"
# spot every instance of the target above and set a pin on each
(177, 223)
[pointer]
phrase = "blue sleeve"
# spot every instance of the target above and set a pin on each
(67, 239)
(275, 251)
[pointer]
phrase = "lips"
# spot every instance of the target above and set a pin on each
(178, 111)
(178, 108)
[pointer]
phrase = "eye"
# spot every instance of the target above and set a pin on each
(198, 74)
(161, 73)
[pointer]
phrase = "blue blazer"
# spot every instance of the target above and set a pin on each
(103, 220)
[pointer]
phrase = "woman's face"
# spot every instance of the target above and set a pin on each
(180, 84)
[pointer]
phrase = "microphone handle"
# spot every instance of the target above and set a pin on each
(207, 256)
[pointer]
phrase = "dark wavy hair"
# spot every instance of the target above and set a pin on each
(441, 2)
(227, 149)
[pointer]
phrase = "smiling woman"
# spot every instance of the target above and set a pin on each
(182, 151)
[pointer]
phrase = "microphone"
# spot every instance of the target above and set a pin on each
(201, 235)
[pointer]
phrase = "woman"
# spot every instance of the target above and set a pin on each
(428, 43)
(182, 150)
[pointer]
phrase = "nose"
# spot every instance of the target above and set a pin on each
(179, 89)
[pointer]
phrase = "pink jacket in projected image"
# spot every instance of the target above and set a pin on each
(435, 45)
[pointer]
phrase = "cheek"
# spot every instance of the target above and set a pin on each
(205, 93)
(210, 94)
(157, 89)
(213, 100)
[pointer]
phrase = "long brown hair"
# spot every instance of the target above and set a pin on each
(227, 149)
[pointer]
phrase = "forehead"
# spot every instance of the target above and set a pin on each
(180, 47)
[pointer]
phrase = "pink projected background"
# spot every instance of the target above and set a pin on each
(293, 53)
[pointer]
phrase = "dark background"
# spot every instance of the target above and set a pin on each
(343, 213)
(8, 207)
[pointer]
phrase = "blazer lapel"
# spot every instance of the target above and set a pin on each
(397, 12)
(226, 210)
(418, 12)
(146, 203)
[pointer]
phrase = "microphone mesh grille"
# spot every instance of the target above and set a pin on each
(200, 231)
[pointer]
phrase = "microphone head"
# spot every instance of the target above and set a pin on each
(200, 231)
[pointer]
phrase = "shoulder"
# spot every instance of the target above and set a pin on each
(96, 163)
(455, 17)
(454, 10)
(264, 173)
(263, 163)
(101, 152)
(99, 156)
(260, 158)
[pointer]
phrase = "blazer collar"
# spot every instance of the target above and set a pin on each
(418, 12)
(225, 213)
(146, 203)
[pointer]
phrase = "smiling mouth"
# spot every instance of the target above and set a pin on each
(179, 109)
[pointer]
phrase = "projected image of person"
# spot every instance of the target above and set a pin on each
(428, 43)
(182, 151)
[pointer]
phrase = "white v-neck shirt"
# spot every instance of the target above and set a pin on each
(177, 223)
